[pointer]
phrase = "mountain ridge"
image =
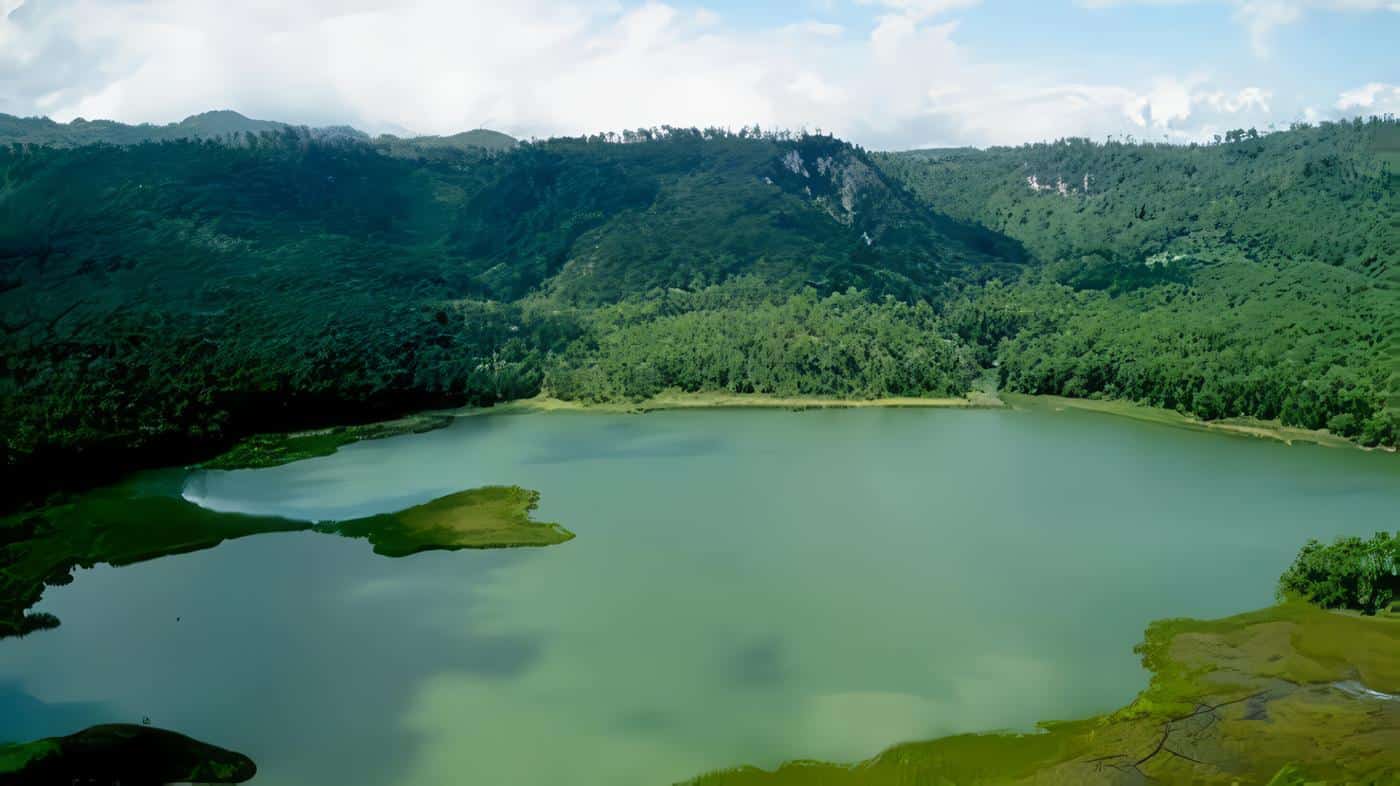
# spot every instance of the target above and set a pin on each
(217, 124)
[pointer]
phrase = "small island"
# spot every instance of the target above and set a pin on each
(122, 754)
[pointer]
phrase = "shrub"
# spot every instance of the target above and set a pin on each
(1350, 573)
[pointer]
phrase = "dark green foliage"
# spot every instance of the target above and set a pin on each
(1349, 573)
(1319, 193)
(742, 338)
(1298, 343)
(1257, 278)
(163, 299)
(122, 753)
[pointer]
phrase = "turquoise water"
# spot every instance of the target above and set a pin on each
(746, 587)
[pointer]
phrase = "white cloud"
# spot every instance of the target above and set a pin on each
(813, 27)
(919, 10)
(1375, 98)
(1243, 100)
(536, 68)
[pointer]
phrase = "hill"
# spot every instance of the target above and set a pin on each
(225, 125)
(1255, 277)
(219, 124)
(163, 298)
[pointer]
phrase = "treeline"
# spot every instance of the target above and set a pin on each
(1303, 344)
(98, 397)
(742, 338)
(1349, 573)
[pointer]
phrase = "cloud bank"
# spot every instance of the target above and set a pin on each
(534, 68)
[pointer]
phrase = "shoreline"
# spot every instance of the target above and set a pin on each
(672, 401)
(1234, 427)
(266, 450)
(1198, 720)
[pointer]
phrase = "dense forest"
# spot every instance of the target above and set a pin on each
(1258, 276)
(1349, 573)
(165, 295)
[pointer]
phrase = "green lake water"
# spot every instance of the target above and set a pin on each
(745, 587)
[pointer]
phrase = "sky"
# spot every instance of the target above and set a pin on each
(888, 74)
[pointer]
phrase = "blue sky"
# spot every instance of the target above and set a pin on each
(886, 73)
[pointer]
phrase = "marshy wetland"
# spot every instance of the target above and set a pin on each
(747, 587)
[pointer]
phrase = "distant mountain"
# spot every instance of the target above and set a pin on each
(206, 125)
(223, 124)
(481, 138)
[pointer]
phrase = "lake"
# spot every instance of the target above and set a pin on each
(746, 586)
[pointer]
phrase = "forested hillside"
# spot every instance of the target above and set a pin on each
(1259, 276)
(163, 298)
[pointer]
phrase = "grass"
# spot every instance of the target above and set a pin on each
(15, 757)
(272, 450)
(1245, 699)
(490, 517)
(130, 523)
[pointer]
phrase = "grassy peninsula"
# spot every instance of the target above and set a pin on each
(1304, 692)
(141, 520)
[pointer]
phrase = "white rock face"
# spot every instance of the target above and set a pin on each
(793, 161)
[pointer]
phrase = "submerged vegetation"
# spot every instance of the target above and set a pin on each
(145, 518)
(164, 300)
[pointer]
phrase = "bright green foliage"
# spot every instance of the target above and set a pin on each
(742, 338)
(1349, 573)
